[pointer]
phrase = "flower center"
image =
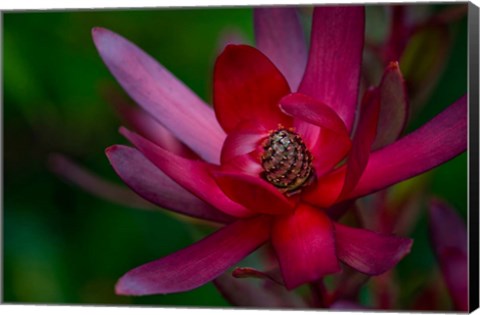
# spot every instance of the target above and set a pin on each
(286, 161)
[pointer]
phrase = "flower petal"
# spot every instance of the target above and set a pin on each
(394, 106)
(305, 246)
(369, 252)
(242, 149)
(321, 129)
(152, 184)
(159, 93)
(436, 142)
(362, 141)
(449, 240)
(313, 111)
(151, 129)
(333, 68)
(192, 175)
(243, 140)
(247, 86)
(325, 191)
(254, 193)
(279, 35)
(198, 263)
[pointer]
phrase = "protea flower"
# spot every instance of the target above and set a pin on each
(284, 152)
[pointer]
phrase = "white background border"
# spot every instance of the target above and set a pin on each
(21, 5)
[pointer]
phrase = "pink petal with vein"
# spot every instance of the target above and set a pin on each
(439, 140)
(370, 252)
(279, 35)
(305, 246)
(393, 108)
(333, 69)
(247, 87)
(199, 263)
(449, 240)
(152, 184)
(167, 99)
(192, 175)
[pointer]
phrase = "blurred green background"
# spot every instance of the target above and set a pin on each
(63, 245)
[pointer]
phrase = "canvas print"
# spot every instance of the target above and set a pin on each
(295, 157)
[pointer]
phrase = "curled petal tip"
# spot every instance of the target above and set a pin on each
(120, 289)
(393, 65)
(110, 149)
(98, 31)
(95, 30)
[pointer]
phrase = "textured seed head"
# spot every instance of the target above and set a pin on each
(286, 161)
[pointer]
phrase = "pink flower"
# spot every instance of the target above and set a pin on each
(278, 111)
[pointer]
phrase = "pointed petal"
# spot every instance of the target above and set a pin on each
(95, 185)
(247, 86)
(198, 263)
(333, 68)
(279, 35)
(192, 175)
(320, 127)
(370, 252)
(254, 193)
(439, 140)
(365, 134)
(449, 240)
(394, 107)
(152, 184)
(159, 93)
(305, 246)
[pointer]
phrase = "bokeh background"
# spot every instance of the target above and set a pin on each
(65, 245)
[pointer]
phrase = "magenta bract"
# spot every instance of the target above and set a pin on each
(258, 91)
